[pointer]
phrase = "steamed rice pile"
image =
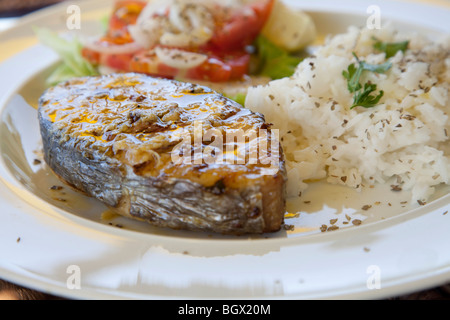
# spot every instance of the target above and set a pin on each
(404, 140)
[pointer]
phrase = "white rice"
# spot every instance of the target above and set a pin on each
(403, 141)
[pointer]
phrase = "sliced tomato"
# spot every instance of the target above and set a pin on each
(117, 61)
(227, 59)
(242, 28)
(240, 65)
(125, 13)
(221, 69)
(212, 69)
(146, 62)
(215, 68)
(91, 55)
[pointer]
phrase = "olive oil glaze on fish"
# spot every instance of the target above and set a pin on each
(113, 137)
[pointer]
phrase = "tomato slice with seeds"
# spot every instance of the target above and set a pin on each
(125, 13)
(120, 62)
(227, 58)
(148, 63)
(242, 28)
(221, 69)
(90, 55)
(215, 68)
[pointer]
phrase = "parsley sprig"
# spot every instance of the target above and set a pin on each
(390, 48)
(363, 94)
(365, 99)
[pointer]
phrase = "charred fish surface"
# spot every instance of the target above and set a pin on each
(159, 151)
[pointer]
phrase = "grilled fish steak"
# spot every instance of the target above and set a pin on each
(114, 137)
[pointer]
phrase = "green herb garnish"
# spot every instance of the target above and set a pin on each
(352, 75)
(390, 48)
(365, 99)
(362, 95)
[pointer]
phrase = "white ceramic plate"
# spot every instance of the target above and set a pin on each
(50, 239)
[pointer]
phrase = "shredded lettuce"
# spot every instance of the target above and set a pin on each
(73, 64)
(105, 22)
(273, 61)
(238, 97)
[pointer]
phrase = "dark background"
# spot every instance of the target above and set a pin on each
(15, 8)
